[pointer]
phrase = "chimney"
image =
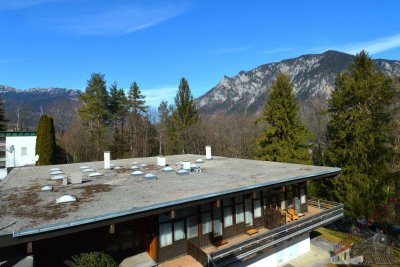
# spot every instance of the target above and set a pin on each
(186, 165)
(106, 160)
(161, 161)
(208, 152)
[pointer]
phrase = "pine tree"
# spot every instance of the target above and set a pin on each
(185, 115)
(3, 121)
(46, 141)
(284, 138)
(137, 107)
(360, 137)
(118, 107)
(94, 112)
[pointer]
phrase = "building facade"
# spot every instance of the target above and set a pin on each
(228, 212)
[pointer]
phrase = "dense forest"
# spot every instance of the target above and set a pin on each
(356, 129)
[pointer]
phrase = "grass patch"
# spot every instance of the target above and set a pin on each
(336, 236)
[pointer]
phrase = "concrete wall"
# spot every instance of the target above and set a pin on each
(282, 253)
(17, 158)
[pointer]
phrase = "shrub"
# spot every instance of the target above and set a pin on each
(93, 259)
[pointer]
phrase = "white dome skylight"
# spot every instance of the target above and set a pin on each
(65, 199)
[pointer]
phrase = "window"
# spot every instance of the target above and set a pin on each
(217, 224)
(179, 230)
(257, 208)
(191, 224)
(239, 213)
(302, 195)
(206, 223)
(228, 219)
(24, 151)
(165, 234)
(249, 214)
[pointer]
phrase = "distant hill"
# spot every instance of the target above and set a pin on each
(312, 76)
(30, 103)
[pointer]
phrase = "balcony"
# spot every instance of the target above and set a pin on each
(242, 247)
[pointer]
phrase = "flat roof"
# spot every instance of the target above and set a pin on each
(25, 209)
(12, 133)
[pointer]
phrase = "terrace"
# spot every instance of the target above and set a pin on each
(244, 247)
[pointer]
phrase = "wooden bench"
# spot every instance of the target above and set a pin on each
(252, 231)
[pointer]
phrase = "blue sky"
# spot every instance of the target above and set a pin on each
(59, 43)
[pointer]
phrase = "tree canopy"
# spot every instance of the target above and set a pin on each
(361, 137)
(46, 141)
(284, 139)
(3, 121)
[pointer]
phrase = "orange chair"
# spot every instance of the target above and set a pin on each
(294, 215)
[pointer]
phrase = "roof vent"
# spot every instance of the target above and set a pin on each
(54, 169)
(199, 161)
(65, 199)
(182, 172)
(84, 167)
(186, 165)
(134, 167)
(107, 160)
(134, 163)
(161, 161)
(143, 165)
(117, 167)
(56, 172)
(46, 188)
(57, 177)
(208, 152)
(137, 173)
(150, 176)
(167, 169)
(88, 170)
(95, 174)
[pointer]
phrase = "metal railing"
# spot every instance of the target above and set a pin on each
(331, 211)
(198, 254)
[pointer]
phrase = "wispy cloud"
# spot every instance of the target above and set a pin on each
(375, 46)
(226, 51)
(119, 20)
(154, 96)
(20, 4)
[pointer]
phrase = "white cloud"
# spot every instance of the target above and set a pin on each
(154, 96)
(20, 4)
(375, 46)
(119, 20)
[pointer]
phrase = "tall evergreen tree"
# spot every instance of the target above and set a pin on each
(118, 107)
(3, 121)
(284, 138)
(94, 112)
(184, 116)
(360, 137)
(137, 107)
(46, 141)
(163, 119)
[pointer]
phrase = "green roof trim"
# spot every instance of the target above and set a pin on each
(3, 134)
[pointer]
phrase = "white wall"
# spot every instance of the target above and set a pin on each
(282, 253)
(17, 159)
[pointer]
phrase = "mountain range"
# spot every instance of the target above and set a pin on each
(312, 76)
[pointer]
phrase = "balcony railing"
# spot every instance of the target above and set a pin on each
(328, 212)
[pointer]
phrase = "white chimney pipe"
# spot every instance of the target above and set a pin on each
(106, 160)
(208, 152)
(186, 165)
(161, 161)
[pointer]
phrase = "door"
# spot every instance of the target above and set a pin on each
(149, 230)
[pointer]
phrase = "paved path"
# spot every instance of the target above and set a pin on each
(317, 257)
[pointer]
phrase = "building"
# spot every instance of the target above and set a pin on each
(17, 149)
(223, 212)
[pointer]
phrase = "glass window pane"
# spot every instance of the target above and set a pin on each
(179, 230)
(217, 222)
(163, 217)
(206, 223)
(239, 199)
(228, 220)
(205, 207)
(249, 212)
(257, 208)
(239, 213)
(226, 202)
(165, 234)
(191, 226)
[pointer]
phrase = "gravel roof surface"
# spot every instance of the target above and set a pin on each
(24, 206)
